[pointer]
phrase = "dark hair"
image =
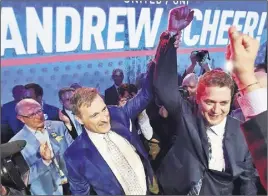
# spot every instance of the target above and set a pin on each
(64, 90)
(83, 96)
(38, 90)
(17, 88)
(214, 78)
(122, 89)
(133, 88)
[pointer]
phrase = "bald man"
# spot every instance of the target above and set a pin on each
(190, 83)
(46, 143)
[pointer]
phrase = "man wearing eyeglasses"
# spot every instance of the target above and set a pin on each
(46, 143)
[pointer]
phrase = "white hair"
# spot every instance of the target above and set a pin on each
(23, 103)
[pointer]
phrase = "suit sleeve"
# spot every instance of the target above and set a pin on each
(248, 178)
(137, 104)
(4, 117)
(166, 75)
(67, 135)
(78, 185)
(255, 132)
(106, 97)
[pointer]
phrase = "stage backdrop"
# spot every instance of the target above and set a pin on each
(57, 43)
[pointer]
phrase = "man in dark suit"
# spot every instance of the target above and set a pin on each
(111, 94)
(8, 114)
(35, 92)
(107, 158)
(210, 154)
(65, 95)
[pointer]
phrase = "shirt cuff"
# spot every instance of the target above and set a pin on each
(253, 103)
(46, 163)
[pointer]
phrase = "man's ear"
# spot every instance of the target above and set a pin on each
(39, 99)
(20, 118)
(78, 119)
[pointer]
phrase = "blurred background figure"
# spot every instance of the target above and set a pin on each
(111, 94)
(75, 86)
(35, 91)
(9, 123)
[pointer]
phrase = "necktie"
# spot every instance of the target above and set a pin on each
(197, 187)
(209, 149)
(124, 169)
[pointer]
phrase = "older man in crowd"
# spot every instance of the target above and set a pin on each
(46, 143)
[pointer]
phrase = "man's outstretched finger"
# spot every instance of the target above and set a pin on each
(235, 39)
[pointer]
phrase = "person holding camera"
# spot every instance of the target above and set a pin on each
(198, 57)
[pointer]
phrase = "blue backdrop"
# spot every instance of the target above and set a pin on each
(57, 43)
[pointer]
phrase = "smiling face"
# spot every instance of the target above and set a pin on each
(214, 95)
(96, 117)
(30, 113)
(214, 104)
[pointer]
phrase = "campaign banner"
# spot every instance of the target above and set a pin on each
(57, 43)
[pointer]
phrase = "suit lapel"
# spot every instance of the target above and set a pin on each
(30, 138)
(195, 124)
(121, 130)
(230, 145)
(115, 90)
(203, 135)
(64, 112)
(104, 172)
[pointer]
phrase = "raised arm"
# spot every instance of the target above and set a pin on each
(137, 104)
(166, 74)
(166, 77)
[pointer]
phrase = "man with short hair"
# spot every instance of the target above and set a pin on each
(111, 94)
(110, 160)
(106, 158)
(210, 155)
(8, 113)
(65, 95)
(46, 143)
(35, 91)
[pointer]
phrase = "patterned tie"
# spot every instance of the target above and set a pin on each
(209, 149)
(124, 169)
(197, 187)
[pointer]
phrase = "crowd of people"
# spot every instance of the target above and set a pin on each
(191, 134)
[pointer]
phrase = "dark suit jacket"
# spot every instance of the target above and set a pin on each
(111, 96)
(255, 131)
(86, 167)
(73, 132)
(187, 161)
(52, 112)
(9, 118)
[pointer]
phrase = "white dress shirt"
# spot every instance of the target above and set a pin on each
(216, 135)
(128, 151)
(75, 122)
(145, 126)
(42, 137)
(253, 103)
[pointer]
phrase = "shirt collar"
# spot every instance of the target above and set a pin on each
(69, 112)
(32, 130)
(116, 86)
(94, 135)
(219, 129)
